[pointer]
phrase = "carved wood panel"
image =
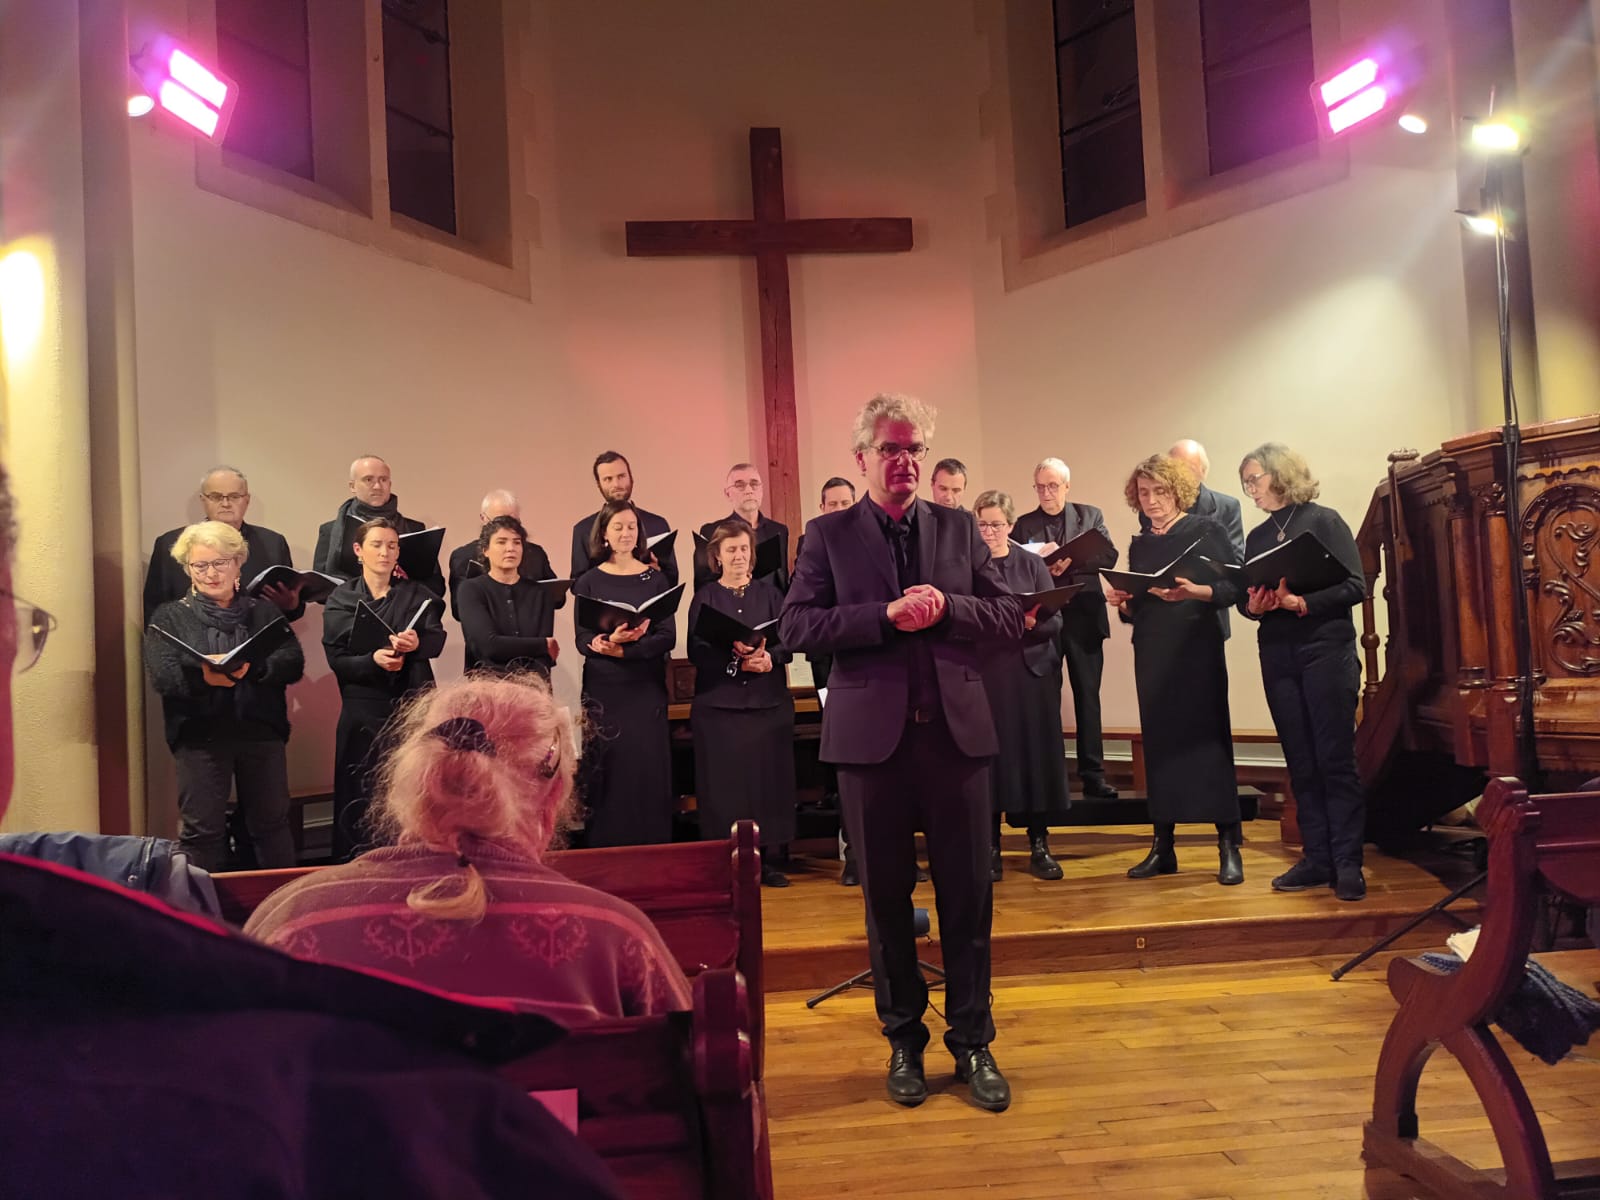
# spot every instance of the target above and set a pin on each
(1559, 536)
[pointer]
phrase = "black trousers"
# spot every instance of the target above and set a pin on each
(260, 773)
(1312, 690)
(1084, 651)
(925, 784)
(361, 720)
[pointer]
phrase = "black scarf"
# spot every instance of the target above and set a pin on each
(225, 627)
(353, 514)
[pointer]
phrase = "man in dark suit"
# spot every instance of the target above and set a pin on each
(614, 477)
(1084, 627)
(1221, 508)
(903, 594)
(225, 496)
(743, 490)
(371, 496)
(535, 562)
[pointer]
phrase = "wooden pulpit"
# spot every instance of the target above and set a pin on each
(1439, 559)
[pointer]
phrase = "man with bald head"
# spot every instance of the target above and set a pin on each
(467, 561)
(225, 497)
(371, 496)
(743, 489)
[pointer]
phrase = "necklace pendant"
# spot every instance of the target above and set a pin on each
(1280, 535)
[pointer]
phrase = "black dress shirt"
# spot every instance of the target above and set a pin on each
(922, 686)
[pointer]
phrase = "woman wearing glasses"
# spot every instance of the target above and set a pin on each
(1311, 672)
(743, 718)
(1179, 671)
(227, 729)
(1029, 777)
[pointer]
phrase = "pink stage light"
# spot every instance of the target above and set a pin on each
(1348, 82)
(1357, 109)
(197, 79)
(187, 107)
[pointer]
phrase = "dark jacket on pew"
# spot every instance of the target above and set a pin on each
(149, 1054)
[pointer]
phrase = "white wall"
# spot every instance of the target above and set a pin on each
(1330, 321)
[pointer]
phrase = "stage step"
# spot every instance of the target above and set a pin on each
(1130, 808)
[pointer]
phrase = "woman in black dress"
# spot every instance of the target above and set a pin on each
(627, 763)
(506, 619)
(1179, 671)
(1029, 777)
(743, 720)
(1311, 672)
(372, 685)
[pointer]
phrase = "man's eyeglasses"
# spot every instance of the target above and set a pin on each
(991, 525)
(746, 485)
(216, 566)
(1252, 482)
(917, 451)
(225, 497)
(1047, 489)
(33, 630)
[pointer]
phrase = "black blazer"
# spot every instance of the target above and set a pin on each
(166, 580)
(653, 526)
(838, 602)
(1024, 571)
(357, 674)
(766, 529)
(1085, 617)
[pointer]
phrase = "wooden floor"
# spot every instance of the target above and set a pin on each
(1098, 918)
(1189, 1082)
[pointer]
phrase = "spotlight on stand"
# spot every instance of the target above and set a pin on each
(1485, 223)
(1375, 83)
(184, 87)
(1499, 135)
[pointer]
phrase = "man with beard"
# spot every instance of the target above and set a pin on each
(614, 478)
(372, 496)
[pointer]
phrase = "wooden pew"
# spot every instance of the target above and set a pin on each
(703, 897)
(671, 1103)
(1537, 845)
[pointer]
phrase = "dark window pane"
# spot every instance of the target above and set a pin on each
(427, 15)
(1098, 73)
(1258, 73)
(261, 44)
(1075, 16)
(1102, 167)
(422, 181)
(416, 74)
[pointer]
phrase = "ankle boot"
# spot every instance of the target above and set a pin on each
(1230, 868)
(1162, 859)
(1040, 861)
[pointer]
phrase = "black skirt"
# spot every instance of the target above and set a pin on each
(1028, 778)
(744, 770)
(626, 778)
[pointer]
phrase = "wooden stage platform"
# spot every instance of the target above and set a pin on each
(1096, 918)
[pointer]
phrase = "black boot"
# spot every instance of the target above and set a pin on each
(1230, 869)
(996, 871)
(1039, 860)
(1162, 859)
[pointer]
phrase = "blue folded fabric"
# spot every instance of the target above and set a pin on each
(1545, 1016)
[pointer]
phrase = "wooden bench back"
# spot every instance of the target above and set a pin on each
(1562, 830)
(703, 897)
(670, 1102)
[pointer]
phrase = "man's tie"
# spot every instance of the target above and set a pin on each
(900, 543)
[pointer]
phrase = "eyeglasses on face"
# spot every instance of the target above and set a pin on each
(213, 567)
(1047, 489)
(746, 485)
(916, 451)
(225, 497)
(994, 525)
(1252, 482)
(34, 626)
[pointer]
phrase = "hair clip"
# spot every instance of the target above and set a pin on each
(464, 733)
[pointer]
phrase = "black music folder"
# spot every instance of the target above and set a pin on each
(1303, 560)
(315, 587)
(252, 650)
(419, 553)
(607, 615)
(721, 630)
(1050, 602)
(371, 633)
(1190, 565)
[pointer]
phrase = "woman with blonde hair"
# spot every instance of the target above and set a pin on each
(475, 788)
(1179, 671)
(227, 727)
(1310, 671)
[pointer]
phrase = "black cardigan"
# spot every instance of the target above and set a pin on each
(506, 625)
(196, 713)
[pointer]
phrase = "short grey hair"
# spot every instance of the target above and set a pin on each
(1185, 448)
(499, 496)
(227, 468)
(744, 466)
(893, 406)
(1056, 465)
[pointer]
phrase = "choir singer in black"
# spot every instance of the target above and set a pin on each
(903, 593)
(1029, 778)
(1179, 671)
(507, 619)
(744, 491)
(373, 683)
(743, 716)
(371, 497)
(614, 477)
(1311, 672)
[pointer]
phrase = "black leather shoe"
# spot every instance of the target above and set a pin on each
(996, 867)
(772, 877)
(1348, 882)
(906, 1083)
(1099, 789)
(1230, 867)
(1039, 860)
(848, 876)
(1303, 876)
(987, 1087)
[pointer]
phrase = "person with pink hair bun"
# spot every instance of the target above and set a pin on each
(475, 787)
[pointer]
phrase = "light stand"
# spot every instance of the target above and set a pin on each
(932, 975)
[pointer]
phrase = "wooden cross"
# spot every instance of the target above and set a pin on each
(772, 237)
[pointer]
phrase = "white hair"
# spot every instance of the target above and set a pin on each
(503, 497)
(1056, 465)
(227, 468)
(892, 406)
(1187, 448)
(361, 458)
